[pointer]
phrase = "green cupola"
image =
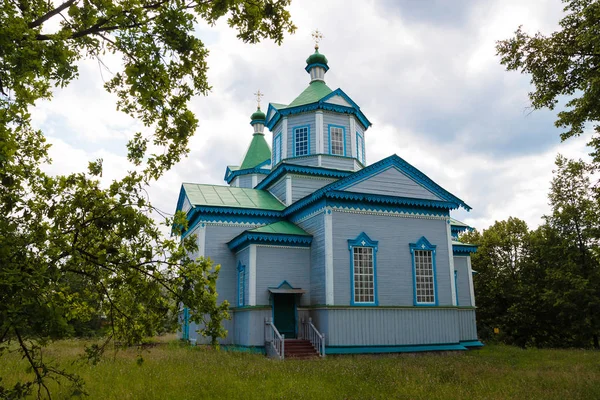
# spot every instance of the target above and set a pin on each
(258, 117)
(316, 66)
(258, 152)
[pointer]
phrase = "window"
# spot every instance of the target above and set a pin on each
(423, 258)
(336, 140)
(363, 270)
(241, 283)
(277, 149)
(360, 148)
(301, 141)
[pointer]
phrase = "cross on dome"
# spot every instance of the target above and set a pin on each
(317, 37)
(258, 95)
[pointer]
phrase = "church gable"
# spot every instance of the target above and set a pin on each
(339, 100)
(392, 182)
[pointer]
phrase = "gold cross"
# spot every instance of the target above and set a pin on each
(258, 95)
(317, 37)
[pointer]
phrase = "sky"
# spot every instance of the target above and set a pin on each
(424, 72)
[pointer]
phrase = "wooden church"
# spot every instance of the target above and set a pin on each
(321, 251)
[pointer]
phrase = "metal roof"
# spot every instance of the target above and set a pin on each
(227, 196)
(281, 228)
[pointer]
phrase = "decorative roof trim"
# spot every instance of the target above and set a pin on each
(230, 175)
(283, 168)
(319, 105)
(464, 248)
(312, 65)
(247, 237)
(375, 198)
(452, 201)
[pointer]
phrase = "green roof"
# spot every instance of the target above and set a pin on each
(258, 115)
(455, 222)
(257, 153)
(282, 228)
(456, 243)
(278, 106)
(313, 93)
(227, 196)
(316, 58)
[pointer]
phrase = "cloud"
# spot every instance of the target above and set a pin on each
(424, 72)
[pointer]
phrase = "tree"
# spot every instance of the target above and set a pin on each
(565, 64)
(55, 228)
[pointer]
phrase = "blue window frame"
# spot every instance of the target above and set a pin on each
(337, 140)
(363, 270)
(360, 147)
(423, 267)
(241, 283)
(301, 141)
(277, 149)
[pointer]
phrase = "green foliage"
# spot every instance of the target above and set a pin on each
(565, 64)
(185, 372)
(74, 253)
(542, 287)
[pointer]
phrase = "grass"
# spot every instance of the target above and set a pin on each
(172, 371)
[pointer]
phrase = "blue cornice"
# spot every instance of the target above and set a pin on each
(375, 198)
(462, 249)
(283, 168)
(320, 105)
(230, 175)
(258, 121)
(246, 238)
(309, 66)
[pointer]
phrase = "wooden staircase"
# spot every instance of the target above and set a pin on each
(299, 349)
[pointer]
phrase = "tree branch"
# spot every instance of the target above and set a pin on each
(51, 14)
(40, 379)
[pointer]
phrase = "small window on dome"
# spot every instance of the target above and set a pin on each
(336, 138)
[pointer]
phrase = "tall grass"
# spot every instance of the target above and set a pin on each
(173, 371)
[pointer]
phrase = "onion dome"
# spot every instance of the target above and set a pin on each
(258, 117)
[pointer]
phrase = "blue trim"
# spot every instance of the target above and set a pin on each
(275, 145)
(229, 176)
(456, 287)
(310, 66)
(241, 276)
(363, 240)
(472, 343)
(392, 349)
(258, 121)
(329, 126)
(451, 201)
(246, 238)
(283, 282)
(195, 218)
(284, 168)
(463, 249)
(378, 198)
(319, 105)
(185, 331)
(423, 244)
(360, 156)
(294, 129)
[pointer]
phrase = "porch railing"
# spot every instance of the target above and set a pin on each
(317, 339)
(274, 341)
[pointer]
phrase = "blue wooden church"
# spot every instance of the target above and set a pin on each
(319, 248)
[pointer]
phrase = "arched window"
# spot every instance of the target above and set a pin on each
(363, 270)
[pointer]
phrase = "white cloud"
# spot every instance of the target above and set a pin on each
(431, 85)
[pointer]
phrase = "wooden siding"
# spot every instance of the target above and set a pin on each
(388, 326)
(316, 227)
(311, 161)
(260, 178)
(467, 325)
(249, 326)
(245, 181)
(199, 339)
(392, 182)
(462, 283)
(339, 120)
(276, 264)
(278, 189)
(302, 186)
(216, 248)
(339, 100)
(303, 119)
(394, 262)
(243, 257)
(345, 163)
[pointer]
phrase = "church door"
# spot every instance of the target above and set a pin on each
(284, 314)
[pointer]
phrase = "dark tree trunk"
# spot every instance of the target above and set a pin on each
(596, 344)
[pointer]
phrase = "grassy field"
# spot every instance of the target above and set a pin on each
(171, 371)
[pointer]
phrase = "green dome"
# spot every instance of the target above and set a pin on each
(258, 115)
(316, 58)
